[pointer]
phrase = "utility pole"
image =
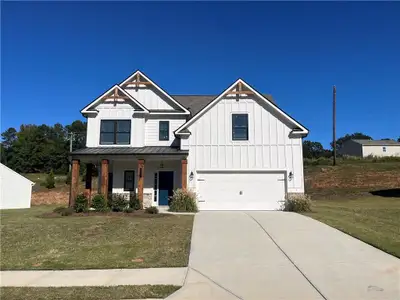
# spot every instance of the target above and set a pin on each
(71, 138)
(334, 125)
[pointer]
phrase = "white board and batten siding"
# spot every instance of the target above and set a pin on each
(108, 111)
(271, 152)
(15, 189)
(149, 98)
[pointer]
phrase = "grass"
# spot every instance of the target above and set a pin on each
(373, 219)
(29, 241)
(87, 293)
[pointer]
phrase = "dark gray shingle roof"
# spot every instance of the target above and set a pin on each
(195, 103)
(149, 150)
(377, 142)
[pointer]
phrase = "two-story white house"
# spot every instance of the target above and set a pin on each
(237, 150)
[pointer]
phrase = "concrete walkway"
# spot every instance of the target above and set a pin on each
(112, 277)
(277, 255)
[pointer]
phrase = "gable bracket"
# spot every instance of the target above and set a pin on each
(239, 90)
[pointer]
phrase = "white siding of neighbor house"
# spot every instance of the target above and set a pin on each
(391, 150)
(269, 146)
(152, 129)
(108, 111)
(118, 168)
(15, 189)
(150, 97)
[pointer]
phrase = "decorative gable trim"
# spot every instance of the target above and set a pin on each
(242, 89)
(135, 79)
(117, 94)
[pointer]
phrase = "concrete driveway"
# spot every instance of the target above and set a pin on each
(278, 255)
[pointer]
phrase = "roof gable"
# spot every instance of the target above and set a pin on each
(114, 95)
(240, 89)
(139, 80)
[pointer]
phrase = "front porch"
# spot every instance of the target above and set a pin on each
(153, 177)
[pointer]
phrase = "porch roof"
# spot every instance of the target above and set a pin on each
(148, 150)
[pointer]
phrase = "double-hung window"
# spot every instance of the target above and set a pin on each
(115, 132)
(163, 134)
(240, 127)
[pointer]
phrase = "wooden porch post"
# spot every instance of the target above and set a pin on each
(184, 174)
(74, 188)
(88, 182)
(140, 181)
(104, 177)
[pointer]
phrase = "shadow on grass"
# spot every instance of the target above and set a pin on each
(387, 193)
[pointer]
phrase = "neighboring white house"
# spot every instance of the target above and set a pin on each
(237, 150)
(15, 189)
(364, 148)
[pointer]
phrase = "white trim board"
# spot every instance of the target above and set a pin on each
(302, 131)
(86, 110)
(185, 111)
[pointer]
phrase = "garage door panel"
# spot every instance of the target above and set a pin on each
(240, 191)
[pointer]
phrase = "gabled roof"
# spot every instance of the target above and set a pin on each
(88, 108)
(377, 142)
(195, 103)
(241, 83)
(139, 73)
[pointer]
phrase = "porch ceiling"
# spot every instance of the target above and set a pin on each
(149, 150)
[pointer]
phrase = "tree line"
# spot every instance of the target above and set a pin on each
(316, 150)
(41, 148)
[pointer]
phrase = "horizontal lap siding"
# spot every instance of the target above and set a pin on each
(152, 130)
(269, 146)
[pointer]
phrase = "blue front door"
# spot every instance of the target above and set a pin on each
(165, 186)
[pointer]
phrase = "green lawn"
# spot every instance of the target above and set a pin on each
(29, 241)
(87, 293)
(374, 220)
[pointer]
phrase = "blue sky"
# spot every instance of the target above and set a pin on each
(59, 56)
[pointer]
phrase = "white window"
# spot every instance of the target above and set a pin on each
(384, 149)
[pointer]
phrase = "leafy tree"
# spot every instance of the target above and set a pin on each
(78, 128)
(398, 139)
(312, 149)
(9, 136)
(356, 135)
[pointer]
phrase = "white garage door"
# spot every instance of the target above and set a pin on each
(240, 190)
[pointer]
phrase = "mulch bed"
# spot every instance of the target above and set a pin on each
(135, 214)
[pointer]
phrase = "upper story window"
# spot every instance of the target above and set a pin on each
(163, 131)
(240, 127)
(384, 149)
(115, 132)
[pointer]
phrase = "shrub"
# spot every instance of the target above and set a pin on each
(50, 181)
(134, 202)
(81, 203)
(297, 203)
(152, 210)
(59, 209)
(67, 211)
(118, 202)
(129, 210)
(99, 203)
(183, 201)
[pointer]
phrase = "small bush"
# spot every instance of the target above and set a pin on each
(134, 202)
(50, 182)
(129, 210)
(152, 210)
(81, 203)
(118, 202)
(99, 203)
(297, 203)
(59, 209)
(183, 201)
(67, 211)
